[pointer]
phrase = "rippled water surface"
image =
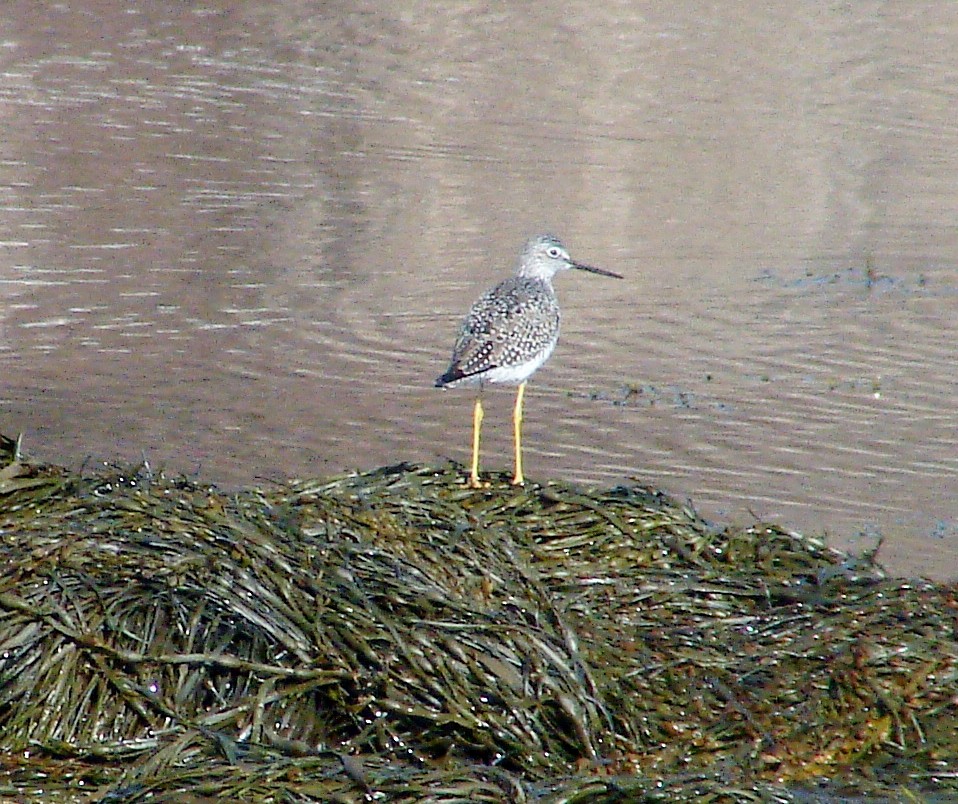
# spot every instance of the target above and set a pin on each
(237, 240)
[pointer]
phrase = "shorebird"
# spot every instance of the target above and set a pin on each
(509, 332)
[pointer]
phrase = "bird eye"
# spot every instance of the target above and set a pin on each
(553, 252)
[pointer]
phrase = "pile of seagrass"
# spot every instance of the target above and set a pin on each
(394, 636)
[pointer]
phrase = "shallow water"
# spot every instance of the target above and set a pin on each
(238, 240)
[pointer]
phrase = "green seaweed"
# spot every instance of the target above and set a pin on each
(395, 636)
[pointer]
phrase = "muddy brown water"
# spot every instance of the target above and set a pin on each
(237, 240)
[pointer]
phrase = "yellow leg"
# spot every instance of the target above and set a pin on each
(518, 480)
(476, 427)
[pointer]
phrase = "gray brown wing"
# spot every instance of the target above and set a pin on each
(514, 321)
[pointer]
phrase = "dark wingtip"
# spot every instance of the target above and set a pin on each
(456, 375)
(450, 376)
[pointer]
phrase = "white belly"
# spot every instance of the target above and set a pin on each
(518, 373)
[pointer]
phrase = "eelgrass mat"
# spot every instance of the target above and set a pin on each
(393, 636)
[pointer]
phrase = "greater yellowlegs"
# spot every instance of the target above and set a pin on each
(510, 332)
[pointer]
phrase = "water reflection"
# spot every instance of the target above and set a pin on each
(236, 239)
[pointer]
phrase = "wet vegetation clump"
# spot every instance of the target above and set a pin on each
(394, 636)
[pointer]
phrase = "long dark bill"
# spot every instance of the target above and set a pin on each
(593, 270)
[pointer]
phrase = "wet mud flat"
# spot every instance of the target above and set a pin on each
(396, 636)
